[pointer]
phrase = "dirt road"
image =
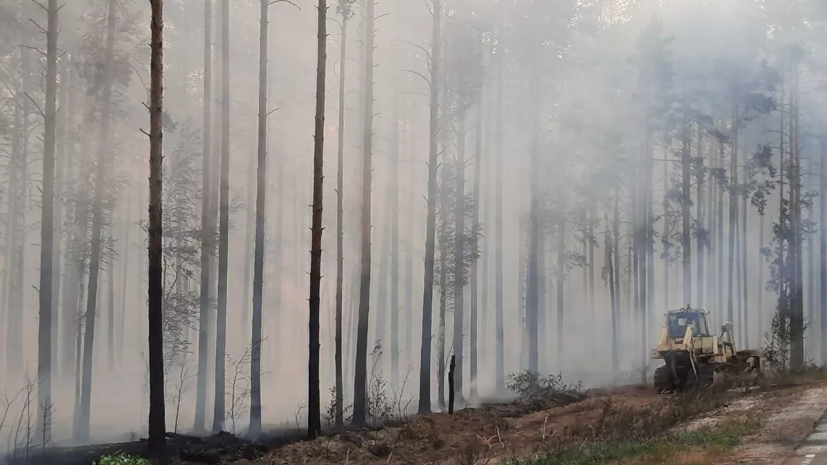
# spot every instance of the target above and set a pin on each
(813, 450)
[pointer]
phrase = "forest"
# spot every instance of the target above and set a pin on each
(485, 188)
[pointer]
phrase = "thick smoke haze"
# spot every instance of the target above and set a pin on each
(643, 153)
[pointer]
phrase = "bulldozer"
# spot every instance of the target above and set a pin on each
(693, 356)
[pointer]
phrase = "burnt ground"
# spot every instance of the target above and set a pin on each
(494, 434)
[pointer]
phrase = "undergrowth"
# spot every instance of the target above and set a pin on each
(712, 439)
(549, 390)
(123, 459)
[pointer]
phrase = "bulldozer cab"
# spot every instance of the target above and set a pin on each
(678, 320)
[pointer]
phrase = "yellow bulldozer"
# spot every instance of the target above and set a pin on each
(693, 356)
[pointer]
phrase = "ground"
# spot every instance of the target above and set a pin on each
(634, 425)
(776, 422)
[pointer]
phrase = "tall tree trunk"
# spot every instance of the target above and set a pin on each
(733, 211)
(207, 231)
(796, 287)
(720, 241)
(60, 174)
(699, 217)
(667, 242)
(610, 265)
(68, 284)
(381, 281)
(459, 256)
(498, 227)
(430, 227)
(44, 333)
(393, 201)
(249, 241)
(474, 266)
(533, 276)
(110, 306)
(561, 278)
(340, 232)
(360, 377)
(124, 274)
(97, 227)
(156, 441)
(745, 267)
(686, 203)
(444, 267)
(17, 233)
(224, 222)
(261, 192)
(822, 239)
(314, 414)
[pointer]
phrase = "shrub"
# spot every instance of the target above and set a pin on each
(551, 390)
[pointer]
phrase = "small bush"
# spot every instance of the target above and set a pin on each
(551, 390)
(122, 459)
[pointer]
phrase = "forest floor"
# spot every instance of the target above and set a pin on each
(758, 424)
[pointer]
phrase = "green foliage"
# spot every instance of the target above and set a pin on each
(123, 459)
(550, 389)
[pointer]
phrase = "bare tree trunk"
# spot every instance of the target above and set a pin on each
(393, 201)
(97, 226)
(68, 285)
(156, 441)
(110, 320)
(360, 375)
(346, 13)
(430, 228)
(381, 280)
(224, 222)
(610, 265)
(733, 212)
(561, 277)
(314, 422)
(261, 192)
(444, 267)
(745, 267)
(124, 274)
(474, 265)
(207, 230)
(44, 333)
(459, 255)
(533, 275)
(60, 174)
(796, 287)
(17, 233)
(720, 241)
(686, 203)
(699, 217)
(498, 219)
(822, 239)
